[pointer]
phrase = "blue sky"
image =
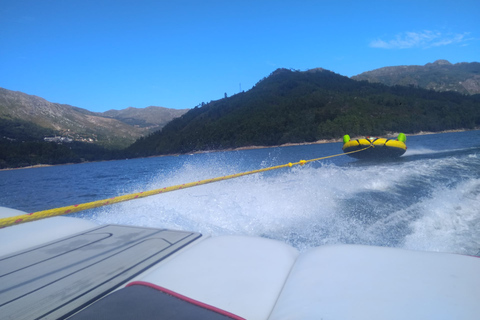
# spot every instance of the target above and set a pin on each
(113, 54)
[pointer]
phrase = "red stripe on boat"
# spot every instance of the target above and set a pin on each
(184, 298)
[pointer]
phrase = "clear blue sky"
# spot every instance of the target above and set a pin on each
(112, 54)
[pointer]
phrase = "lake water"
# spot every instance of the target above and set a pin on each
(429, 199)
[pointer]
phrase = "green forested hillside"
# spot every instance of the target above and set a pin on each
(294, 106)
(286, 107)
(81, 135)
(22, 144)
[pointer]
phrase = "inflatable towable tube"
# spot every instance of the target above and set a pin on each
(379, 147)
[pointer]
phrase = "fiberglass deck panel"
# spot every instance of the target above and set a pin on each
(58, 278)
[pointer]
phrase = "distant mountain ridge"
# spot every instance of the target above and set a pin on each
(114, 128)
(152, 117)
(440, 75)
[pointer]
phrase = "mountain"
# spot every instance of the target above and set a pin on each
(112, 128)
(151, 118)
(294, 106)
(440, 75)
(288, 106)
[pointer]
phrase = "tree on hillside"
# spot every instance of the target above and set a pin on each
(294, 106)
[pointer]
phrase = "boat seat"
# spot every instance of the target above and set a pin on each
(240, 274)
(341, 282)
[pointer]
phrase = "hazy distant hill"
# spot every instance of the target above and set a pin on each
(293, 106)
(113, 128)
(152, 118)
(439, 76)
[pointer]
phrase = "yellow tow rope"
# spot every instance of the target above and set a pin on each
(5, 222)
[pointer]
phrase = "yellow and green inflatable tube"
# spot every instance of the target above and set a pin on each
(380, 148)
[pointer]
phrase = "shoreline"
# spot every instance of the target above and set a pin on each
(321, 141)
(34, 166)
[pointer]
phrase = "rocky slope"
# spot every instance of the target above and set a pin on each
(113, 128)
(440, 75)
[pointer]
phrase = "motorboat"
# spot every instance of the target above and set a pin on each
(66, 267)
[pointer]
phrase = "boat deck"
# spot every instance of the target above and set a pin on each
(54, 280)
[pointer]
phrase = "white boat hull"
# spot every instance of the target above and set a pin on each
(252, 278)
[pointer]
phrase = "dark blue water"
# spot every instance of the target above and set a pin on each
(429, 199)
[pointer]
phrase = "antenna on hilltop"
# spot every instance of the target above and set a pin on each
(240, 86)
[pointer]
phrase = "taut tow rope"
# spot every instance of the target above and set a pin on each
(5, 222)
